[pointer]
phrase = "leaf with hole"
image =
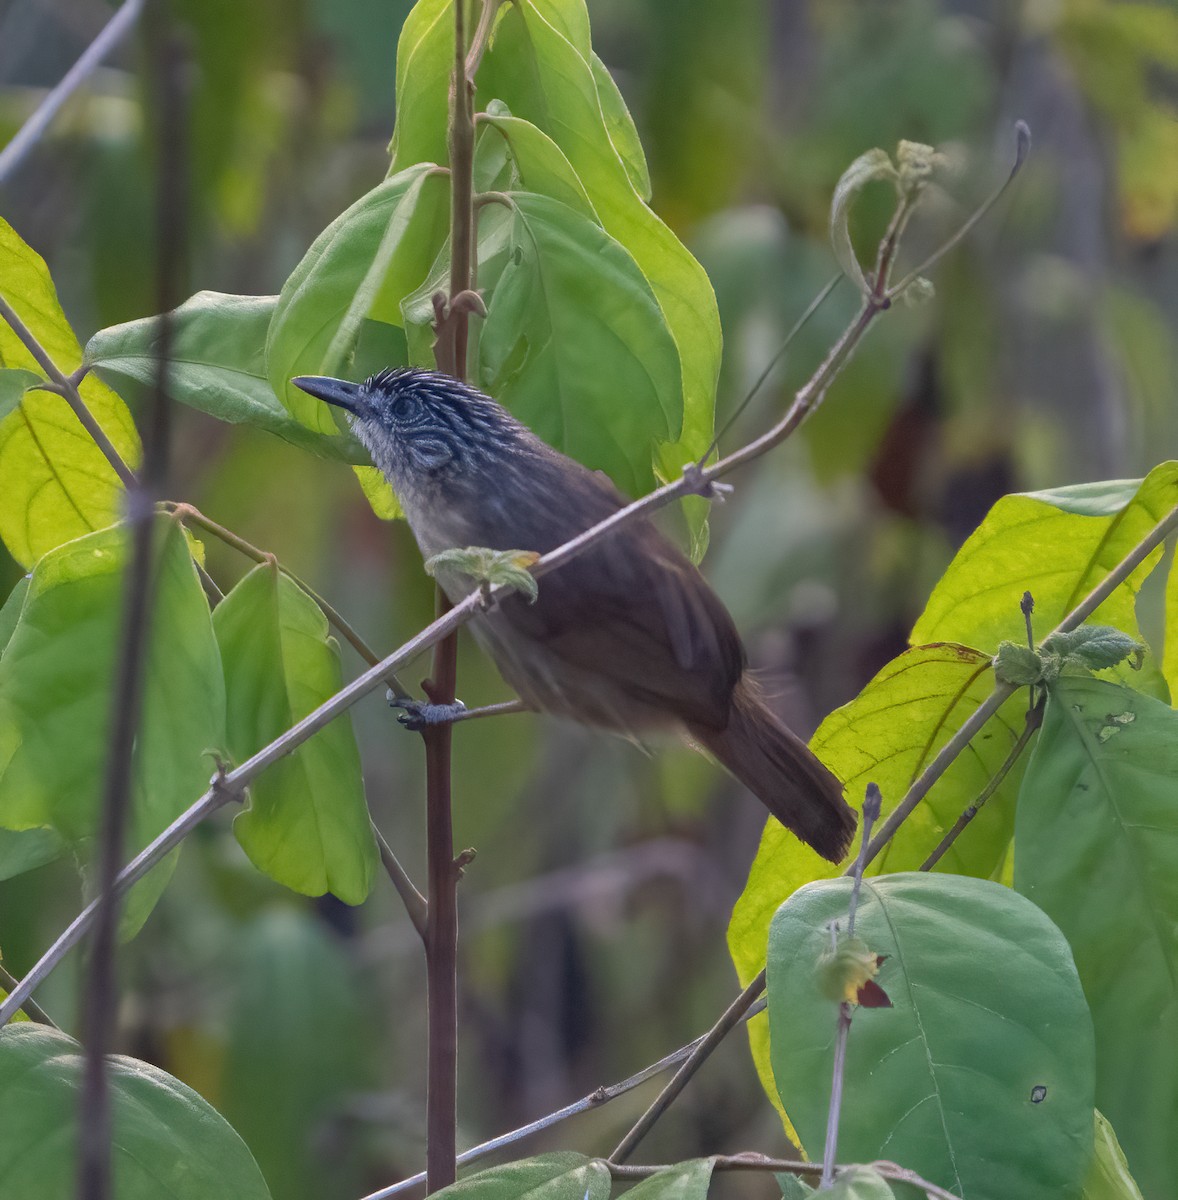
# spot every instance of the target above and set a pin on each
(980, 1077)
(1097, 846)
(307, 822)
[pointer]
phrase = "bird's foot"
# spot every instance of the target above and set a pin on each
(420, 714)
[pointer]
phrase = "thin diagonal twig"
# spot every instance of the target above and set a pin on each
(91, 58)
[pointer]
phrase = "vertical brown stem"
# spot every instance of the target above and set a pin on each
(94, 1180)
(441, 942)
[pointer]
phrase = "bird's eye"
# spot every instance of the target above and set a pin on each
(401, 407)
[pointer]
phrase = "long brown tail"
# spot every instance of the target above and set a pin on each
(779, 769)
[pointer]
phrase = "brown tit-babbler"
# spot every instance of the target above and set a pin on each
(628, 636)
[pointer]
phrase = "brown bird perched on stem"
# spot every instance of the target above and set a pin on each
(628, 636)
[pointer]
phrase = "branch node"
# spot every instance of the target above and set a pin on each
(695, 483)
(463, 859)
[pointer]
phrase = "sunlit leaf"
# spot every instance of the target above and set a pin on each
(56, 681)
(935, 688)
(620, 126)
(307, 822)
(217, 364)
(988, 1042)
(1098, 852)
(57, 484)
(167, 1143)
(1058, 545)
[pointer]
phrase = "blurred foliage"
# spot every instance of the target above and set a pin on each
(596, 909)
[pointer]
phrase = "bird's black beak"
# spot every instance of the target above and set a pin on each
(339, 392)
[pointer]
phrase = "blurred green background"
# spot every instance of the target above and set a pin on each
(594, 914)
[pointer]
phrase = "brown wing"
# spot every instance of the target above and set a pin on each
(632, 609)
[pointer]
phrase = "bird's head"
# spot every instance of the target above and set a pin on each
(419, 424)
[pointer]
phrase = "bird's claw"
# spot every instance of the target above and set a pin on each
(420, 714)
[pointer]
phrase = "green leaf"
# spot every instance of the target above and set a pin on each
(217, 365)
(1017, 665)
(575, 345)
(425, 58)
(867, 168)
(57, 484)
(168, 1143)
(56, 680)
(620, 126)
(362, 264)
(1108, 1176)
(1058, 545)
(14, 382)
(1094, 647)
(1170, 647)
(560, 1176)
(295, 1054)
(10, 611)
(859, 1183)
(887, 735)
(491, 567)
(540, 164)
(988, 1042)
(684, 1181)
(1097, 852)
(307, 822)
(543, 79)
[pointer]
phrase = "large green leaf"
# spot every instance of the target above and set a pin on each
(168, 1143)
(575, 344)
(684, 1181)
(1098, 852)
(217, 364)
(980, 1075)
(361, 265)
(887, 735)
(295, 1053)
(307, 822)
(56, 678)
(543, 79)
(1058, 545)
(560, 1176)
(57, 484)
